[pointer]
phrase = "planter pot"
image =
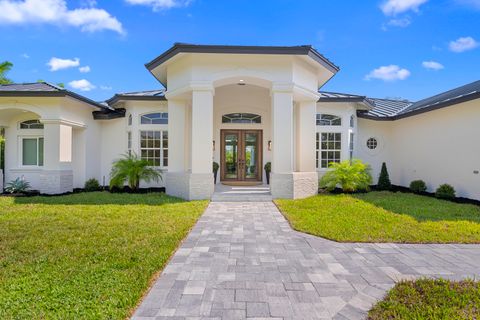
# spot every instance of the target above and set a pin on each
(267, 174)
(215, 177)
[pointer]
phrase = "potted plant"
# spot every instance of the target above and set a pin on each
(131, 170)
(215, 171)
(268, 169)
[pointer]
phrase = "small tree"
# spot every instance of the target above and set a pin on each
(131, 169)
(350, 176)
(384, 179)
(5, 67)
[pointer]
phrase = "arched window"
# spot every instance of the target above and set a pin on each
(129, 119)
(154, 118)
(241, 118)
(328, 120)
(31, 124)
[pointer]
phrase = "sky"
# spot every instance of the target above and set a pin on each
(408, 49)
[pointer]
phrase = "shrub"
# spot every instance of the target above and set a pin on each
(215, 166)
(92, 185)
(268, 167)
(350, 176)
(131, 169)
(445, 191)
(17, 186)
(418, 186)
(384, 179)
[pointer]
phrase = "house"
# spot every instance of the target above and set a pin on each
(240, 106)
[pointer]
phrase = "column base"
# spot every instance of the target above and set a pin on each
(295, 185)
(56, 181)
(190, 186)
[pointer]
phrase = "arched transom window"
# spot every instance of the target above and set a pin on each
(241, 118)
(328, 120)
(31, 124)
(154, 118)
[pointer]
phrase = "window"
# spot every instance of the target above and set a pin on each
(154, 147)
(328, 120)
(31, 124)
(350, 149)
(32, 151)
(372, 143)
(129, 119)
(241, 118)
(329, 148)
(129, 143)
(352, 121)
(154, 118)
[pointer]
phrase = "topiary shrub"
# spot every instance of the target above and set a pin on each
(350, 176)
(418, 186)
(92, 185)
(384, 179)
(445, 191)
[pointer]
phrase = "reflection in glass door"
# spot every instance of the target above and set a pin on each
(241, 155)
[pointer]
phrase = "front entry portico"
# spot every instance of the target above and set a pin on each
(279, 84)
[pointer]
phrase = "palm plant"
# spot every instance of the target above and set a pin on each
(131, 169)
(350, 176)
(4, 68)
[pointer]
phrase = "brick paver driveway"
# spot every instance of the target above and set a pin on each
(243, 260)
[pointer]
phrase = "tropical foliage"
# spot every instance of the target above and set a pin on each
(17, 186)
(350, 176)
(4, 68)
(131, 169)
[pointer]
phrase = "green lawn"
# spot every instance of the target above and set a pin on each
(88, 255)
(430, 299)
(384, 217)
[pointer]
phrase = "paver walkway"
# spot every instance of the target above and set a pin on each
(243, 260)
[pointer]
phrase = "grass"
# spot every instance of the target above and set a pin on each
(384, 217)
(430, 299)
(86, 256)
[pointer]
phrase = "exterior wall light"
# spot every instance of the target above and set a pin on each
(213, 145)
(269, 145)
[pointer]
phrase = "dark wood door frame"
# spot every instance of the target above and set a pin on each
(241, 169)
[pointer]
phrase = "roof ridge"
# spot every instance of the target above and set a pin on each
(451, 90)
(393, 100)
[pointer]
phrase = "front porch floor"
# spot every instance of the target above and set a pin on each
(243, 260)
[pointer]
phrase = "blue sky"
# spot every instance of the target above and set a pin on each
(393, 48)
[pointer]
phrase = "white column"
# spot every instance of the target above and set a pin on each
(57, 175)
(282, 132)
(306, 132)
(202, 131)
(176, 135)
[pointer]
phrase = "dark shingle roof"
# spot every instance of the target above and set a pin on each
(149, 95)
(43, 89)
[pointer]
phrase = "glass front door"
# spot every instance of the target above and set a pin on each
(241, 155)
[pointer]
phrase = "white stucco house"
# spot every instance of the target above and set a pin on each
(240, 106)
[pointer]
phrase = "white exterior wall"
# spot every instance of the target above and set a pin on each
(114, 137)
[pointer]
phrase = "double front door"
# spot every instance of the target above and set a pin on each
(241, 155)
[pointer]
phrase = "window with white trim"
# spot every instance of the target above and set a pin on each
(31, 124)
(32, 151)
(329, 148)
(372, 143)
(154, 147)
(350, 149)
(328, 120)
(241, 118)
(129, 142)
(154, 118)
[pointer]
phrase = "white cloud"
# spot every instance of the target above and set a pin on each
(56, 64)
(432, 65)
(401, 23)
(394, 7)
(105, 87)
(84, 69)
(56, 12)
(25, 56)
(82, 85)
(161, 4)
(388, 73)
(463, 44)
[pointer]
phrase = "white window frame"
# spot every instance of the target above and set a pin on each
(319, 116)
(20, 149)
(319, 149)
(162, 114)
(129, 142)
(161, 149)
(351, 145)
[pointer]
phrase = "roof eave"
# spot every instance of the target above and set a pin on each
(120, 97)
